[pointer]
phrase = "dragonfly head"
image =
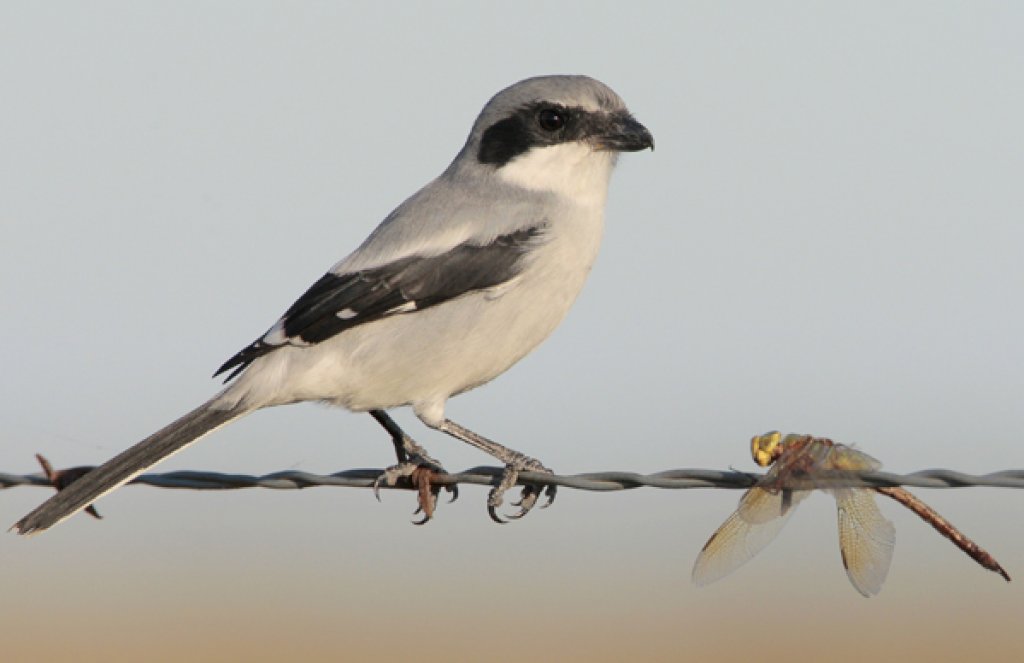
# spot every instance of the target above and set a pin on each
(766, 448)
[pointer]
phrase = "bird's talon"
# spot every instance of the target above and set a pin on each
(418, 471)
(391, 475)
(493, 512)
(376, 485)
(518, 514)
(527, 497)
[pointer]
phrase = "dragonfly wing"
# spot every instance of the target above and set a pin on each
(767, 505)
(758, 520)
(842, 457)
(866, 539)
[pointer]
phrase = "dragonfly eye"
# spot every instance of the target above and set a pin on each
(763, 448)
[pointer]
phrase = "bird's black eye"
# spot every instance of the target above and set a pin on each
(551, 119)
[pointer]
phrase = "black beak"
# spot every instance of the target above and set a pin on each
(624, 134)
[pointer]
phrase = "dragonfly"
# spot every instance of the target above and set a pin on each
(866, 537)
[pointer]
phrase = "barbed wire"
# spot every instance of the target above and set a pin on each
(592, 481)
(429, 487)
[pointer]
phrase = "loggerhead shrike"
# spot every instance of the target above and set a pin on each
(456, 285)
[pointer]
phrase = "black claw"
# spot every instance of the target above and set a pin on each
(454, 490)
(550, 494)
(427, 515)
(494, 515)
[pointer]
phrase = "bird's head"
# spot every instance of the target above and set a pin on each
(554, 133)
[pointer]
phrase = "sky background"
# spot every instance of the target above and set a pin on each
(828, 240)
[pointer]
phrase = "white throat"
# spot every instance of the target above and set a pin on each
(573, 170)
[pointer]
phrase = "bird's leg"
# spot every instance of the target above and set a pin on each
(414, 463)
(514, 462)
(398, 436)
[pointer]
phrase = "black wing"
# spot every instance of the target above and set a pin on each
(342, 301)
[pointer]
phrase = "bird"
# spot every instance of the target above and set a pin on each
(457, 284)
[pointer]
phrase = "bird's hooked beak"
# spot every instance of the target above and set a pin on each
(623, 133)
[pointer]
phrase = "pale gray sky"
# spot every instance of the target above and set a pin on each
(828, 239)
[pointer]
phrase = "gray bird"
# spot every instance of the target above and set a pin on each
(455, 286)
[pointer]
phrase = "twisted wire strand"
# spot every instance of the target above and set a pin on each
(592, 481)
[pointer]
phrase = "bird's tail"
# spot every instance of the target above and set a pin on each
(128, 464)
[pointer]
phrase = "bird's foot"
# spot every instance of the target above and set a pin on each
(530, 493)
(418, 471)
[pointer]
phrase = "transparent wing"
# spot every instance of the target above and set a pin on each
(759, 518)
(866, 539)
(842, 457)
(769, 504)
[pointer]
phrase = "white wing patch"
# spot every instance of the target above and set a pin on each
(277, 336)
(500, 289)
(404, 308)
